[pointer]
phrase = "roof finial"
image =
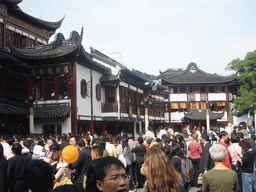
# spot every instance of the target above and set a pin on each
(82, 33)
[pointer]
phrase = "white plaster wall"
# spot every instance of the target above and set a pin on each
(177, 116)
(243, 118)
(84, 104)
(178, 97)
(217, 97)
(66, 125)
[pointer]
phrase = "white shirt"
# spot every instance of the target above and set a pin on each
(110, 148)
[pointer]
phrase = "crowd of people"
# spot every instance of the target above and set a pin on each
(222, 159)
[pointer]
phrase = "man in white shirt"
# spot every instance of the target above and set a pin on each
(109, 147)
(149, 134)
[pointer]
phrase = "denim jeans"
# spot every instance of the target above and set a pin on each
(248, 182)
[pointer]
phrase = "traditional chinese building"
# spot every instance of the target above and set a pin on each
(191, 92)
(75, 93)
(132, 100)
(21, 30)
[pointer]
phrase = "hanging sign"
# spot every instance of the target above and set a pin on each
(51, 71)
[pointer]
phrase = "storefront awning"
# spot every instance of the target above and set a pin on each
(51, 110)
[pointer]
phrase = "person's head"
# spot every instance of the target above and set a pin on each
(101, 143)
(55, 147)
(245, 145)
(124, 142)
(80, 144)
(50, 142)
(106, 138)
(73, 140)
(160, 172)
(39, 142)
(96, 152)
(107, 174)
(55, 157)
(16, 149)
(235, 138)
(195, 136)
(205, 138)
(176, 150)
(122, 132)
(179, 138)
(87, 140)
(223, 135)
(140, 140)
(217, 153)
(38, 176)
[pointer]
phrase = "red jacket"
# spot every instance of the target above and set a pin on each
(226, 161)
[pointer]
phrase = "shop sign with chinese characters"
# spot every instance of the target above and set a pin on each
(51, 71)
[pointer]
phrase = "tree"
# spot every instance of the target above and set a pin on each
(246, 80)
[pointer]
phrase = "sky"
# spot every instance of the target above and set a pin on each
(156, 35)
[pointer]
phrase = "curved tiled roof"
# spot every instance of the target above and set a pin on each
(57, 48)
(51, 110)
(193, 75)
(200, 114)
(12, 107)
(15, 9)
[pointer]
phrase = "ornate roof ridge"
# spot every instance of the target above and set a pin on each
(57, 48)
(15, 9)
(192, 74)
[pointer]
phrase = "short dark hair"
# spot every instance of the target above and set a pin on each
(101, 143)
(16, 148)
(235, 138)
(222, 133)
(37, 171)
(98, 171)
(140, 140)
(106, 138)
(55, 147)
(99, 149)
(81, 143)
(206, 137)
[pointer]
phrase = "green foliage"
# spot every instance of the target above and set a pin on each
(246, 80)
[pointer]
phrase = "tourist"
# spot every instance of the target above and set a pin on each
(195, 151)
(107, 174)
(139, 150)
(160, 173)
(220, 178)
(247, 163)
(223, 135)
